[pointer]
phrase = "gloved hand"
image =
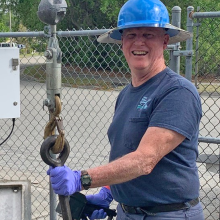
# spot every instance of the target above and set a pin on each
(103, 199)
(65, 181)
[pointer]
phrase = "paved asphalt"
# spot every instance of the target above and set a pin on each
(87, 115)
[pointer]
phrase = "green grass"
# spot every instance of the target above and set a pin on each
(38, 73)
(28, 55)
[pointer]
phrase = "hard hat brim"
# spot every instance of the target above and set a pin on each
(176, 35)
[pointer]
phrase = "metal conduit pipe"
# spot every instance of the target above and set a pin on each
(204, 14)
(81, 33)
(23, 34)
(209, 140)
(58, 33)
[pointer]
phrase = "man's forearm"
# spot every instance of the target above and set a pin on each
(121, 170)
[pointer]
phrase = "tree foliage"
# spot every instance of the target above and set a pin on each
(111, 8)
(84, 14)
(91, 14)
(3, 28)
(79, 14)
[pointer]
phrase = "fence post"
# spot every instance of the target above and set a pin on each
(176, 21)
(189, 44)
(51, 13)
(197, 49)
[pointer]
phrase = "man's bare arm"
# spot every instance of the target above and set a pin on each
(155, 144)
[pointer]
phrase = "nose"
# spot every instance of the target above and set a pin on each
(139, 40)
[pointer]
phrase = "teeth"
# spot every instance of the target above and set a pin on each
(139, 52)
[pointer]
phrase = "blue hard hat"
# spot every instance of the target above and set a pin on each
(144, 13)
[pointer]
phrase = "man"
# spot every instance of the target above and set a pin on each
(152, 172)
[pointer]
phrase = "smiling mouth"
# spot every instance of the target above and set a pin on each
(139, 53)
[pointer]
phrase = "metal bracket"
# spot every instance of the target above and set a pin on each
(48, 54)
(15, 63)
(197, 24)
(187, 53)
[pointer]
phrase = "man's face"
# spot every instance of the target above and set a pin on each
(143, 47)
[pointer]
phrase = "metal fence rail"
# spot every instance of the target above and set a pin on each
(91, 81)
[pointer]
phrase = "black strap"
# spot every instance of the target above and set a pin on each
(151, 210)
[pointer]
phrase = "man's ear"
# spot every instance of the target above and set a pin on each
(166, 40)
(121, 46)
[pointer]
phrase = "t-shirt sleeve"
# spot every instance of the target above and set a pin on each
(179, 110)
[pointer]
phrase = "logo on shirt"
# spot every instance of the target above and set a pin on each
(143, 103)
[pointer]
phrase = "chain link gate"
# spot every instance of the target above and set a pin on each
(206, 78)
(91, 81)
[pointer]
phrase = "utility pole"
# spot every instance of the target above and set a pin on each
(10, 25)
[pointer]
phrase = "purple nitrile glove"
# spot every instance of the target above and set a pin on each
(64, 181)
(103, 199)
(98, 214)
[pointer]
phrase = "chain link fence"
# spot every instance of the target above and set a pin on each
(92, 76)
(206, 78)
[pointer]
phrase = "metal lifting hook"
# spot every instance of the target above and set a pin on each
(45, 152)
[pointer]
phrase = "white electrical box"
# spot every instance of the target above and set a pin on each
(9, 82)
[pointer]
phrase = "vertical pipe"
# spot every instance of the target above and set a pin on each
(10, 25)
(51, 12)
(176, 21)
(52, 82)
(53, 204)
(189, 44)
(53, 30)
(197, 50)
(53, 68)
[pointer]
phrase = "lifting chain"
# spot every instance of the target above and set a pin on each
(56, 121)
